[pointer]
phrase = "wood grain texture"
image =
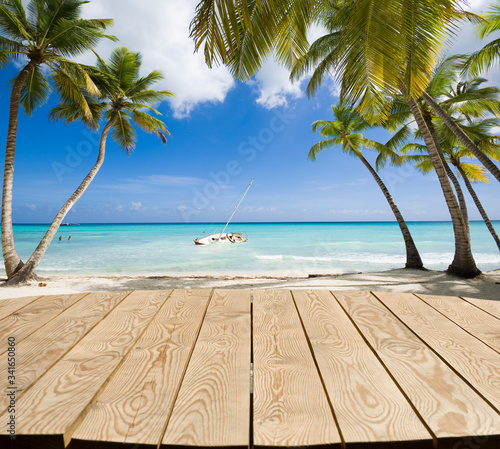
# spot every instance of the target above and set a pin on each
(44, 347)
(213, 405)
(33, 316)
(477, 363)
(8, 306)
(58, 402)
(488, 305)
(448, 405)
(290, 403)
(368, 404)
(474, 320)
(136, 403)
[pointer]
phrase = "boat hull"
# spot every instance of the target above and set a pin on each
(223, 237)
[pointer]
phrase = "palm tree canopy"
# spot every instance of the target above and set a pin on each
(243, 33)
(483, 60)
(376, 47)
(49, 32)
(346, 129)
(124, 95)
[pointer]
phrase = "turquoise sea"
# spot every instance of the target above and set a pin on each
(273, 249)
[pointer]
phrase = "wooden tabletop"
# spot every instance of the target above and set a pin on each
(241, 368)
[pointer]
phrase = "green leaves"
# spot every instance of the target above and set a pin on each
(113, 87)
(35, 91)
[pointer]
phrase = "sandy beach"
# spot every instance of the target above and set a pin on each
(486, 286)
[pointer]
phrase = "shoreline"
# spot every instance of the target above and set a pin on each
(403, 280)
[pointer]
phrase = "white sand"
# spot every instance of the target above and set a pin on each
(486, 286)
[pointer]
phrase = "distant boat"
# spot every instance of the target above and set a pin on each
(225, 237)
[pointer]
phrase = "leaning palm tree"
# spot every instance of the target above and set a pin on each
(377, 48)
(372, 75)
(455, 153)
(46, 33)
(345, 130)
(124, 97)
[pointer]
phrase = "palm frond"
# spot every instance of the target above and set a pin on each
(320, 147)
(483, 60)
(124, 66)
(145, 82)
(69, 112)
(73, 37)
(123, 133)
(150, 96)
(475, 172)
(35, 91)
(150, 124)
(11, 26)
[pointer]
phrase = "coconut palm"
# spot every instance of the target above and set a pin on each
(377, 48)
(483, 60)
(46, 33)
(125, 97)
(480, 131)
(346, 130)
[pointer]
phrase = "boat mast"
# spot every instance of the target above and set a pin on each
(236, 208)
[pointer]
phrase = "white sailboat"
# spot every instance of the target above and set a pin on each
(225, 237)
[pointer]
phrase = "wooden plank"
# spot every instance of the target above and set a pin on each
(44, 347)
(135, 405)
(477, 363)
(290, 404)
(368, 404)
(58, 402)
(8, 306)
(213, 405)
(488, 305)
(479, 323)
(447, 404)
(33, 316)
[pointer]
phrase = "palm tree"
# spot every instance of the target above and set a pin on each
(47, 33)
(377, 48)
(124, 96)
(484, 59)
(345, 130)
(455, 153)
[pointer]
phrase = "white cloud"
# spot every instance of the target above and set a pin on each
(274, 86)
(160, 31)
(135, 206)
(31, 206)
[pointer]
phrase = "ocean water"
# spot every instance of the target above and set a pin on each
(272, 249)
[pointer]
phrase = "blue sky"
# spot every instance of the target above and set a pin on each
(223, 135)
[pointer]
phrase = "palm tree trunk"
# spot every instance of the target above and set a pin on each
(468, 143)
(26, 273)
(413, 259)
(479, 205)
(463, 262)
(460, 195)
(458, 189)
(11, 259)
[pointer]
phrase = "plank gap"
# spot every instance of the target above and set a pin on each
(319, 373)
(469, 301)
(250, 424)
(32, 323)
(27, 388)
(462, 377)
(71, 429)
(458, 324)
(176, 395)
(420, 417)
